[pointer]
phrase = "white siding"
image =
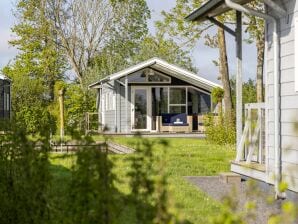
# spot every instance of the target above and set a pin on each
(289, 98)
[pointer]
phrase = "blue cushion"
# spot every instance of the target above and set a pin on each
(174, 119)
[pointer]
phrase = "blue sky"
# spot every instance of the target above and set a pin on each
(202, 55)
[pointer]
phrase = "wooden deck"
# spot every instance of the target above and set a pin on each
(253, 170)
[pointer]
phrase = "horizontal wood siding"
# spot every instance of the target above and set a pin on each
(289, 99)
(125, 124)
(109, 121)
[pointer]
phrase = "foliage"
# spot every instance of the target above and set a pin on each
(29, 103)
(248, 91)
(166, 49)
(91, 191)
(76, 103)
(217, 94)
(35, 69)
(148, 186)
(24, 178)
(220, 130)
(117, 25)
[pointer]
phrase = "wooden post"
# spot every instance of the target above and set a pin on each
(61, 106)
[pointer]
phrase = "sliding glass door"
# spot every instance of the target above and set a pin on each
(140, 109)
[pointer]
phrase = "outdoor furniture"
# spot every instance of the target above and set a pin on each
(201, 127)
(175, 123)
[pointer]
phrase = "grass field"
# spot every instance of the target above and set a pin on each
(183, 157)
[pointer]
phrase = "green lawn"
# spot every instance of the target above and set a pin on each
(184, 157)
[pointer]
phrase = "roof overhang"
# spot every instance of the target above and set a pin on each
(164, 67)
(3, 77)
(211, 9)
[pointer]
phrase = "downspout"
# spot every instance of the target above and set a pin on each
(276, 46)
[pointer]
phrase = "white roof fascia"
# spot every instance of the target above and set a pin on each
(186, 73)
(179, 73)
(3, 77)
(133, 69)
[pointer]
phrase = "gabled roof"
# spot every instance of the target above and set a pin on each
(210, 9)
(162, 66)
(3, 77)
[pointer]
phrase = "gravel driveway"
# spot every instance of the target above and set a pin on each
(258, 192)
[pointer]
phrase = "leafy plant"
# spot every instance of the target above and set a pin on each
(219, 130)
(92, 193)
(24, 178)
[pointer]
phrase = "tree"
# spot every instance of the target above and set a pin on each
(86, 28)
(248, 91)
(167, 49)
(188, 33)
(36, 68)
(256, 31)
(217, 96)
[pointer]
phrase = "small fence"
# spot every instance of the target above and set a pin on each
(72, 147)
(111, 147)
(252, 144)
(92, 122)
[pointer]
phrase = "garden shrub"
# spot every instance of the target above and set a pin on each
(148, 184)
(92, 193)
(219, 130)
(24, 178)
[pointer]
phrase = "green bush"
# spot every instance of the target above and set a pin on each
(219, 130)
(92, 193)
(29, 196)
(24, 178)
(148, 183)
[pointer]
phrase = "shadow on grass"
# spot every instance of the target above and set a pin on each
(60, 191)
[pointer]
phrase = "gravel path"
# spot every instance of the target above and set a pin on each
(213, 187)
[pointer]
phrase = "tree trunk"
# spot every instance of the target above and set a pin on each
(260, 44)
(224, 72)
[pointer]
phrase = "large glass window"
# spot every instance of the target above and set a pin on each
(177, 96)
(156, 77)
(177, 109)
(198, 102)
(159, 103)
(137, 77)
(147, 75)
(159, 100)
(205, 103)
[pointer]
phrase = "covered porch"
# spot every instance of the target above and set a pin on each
(252, 159)
(171, 109)
(154, 97)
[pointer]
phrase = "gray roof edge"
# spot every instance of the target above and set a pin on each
(199, 12)
(160, 62)
(3, 77)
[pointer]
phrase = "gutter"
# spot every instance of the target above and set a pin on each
(276, 46)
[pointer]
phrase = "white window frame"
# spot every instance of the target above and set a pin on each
(153, 82)
(110, 101)
(179, 104)
(149, 109)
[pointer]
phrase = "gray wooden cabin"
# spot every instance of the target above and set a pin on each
(141, 97)
(5, 99)
(267, 140)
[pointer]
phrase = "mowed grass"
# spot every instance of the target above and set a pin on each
(182, 157)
